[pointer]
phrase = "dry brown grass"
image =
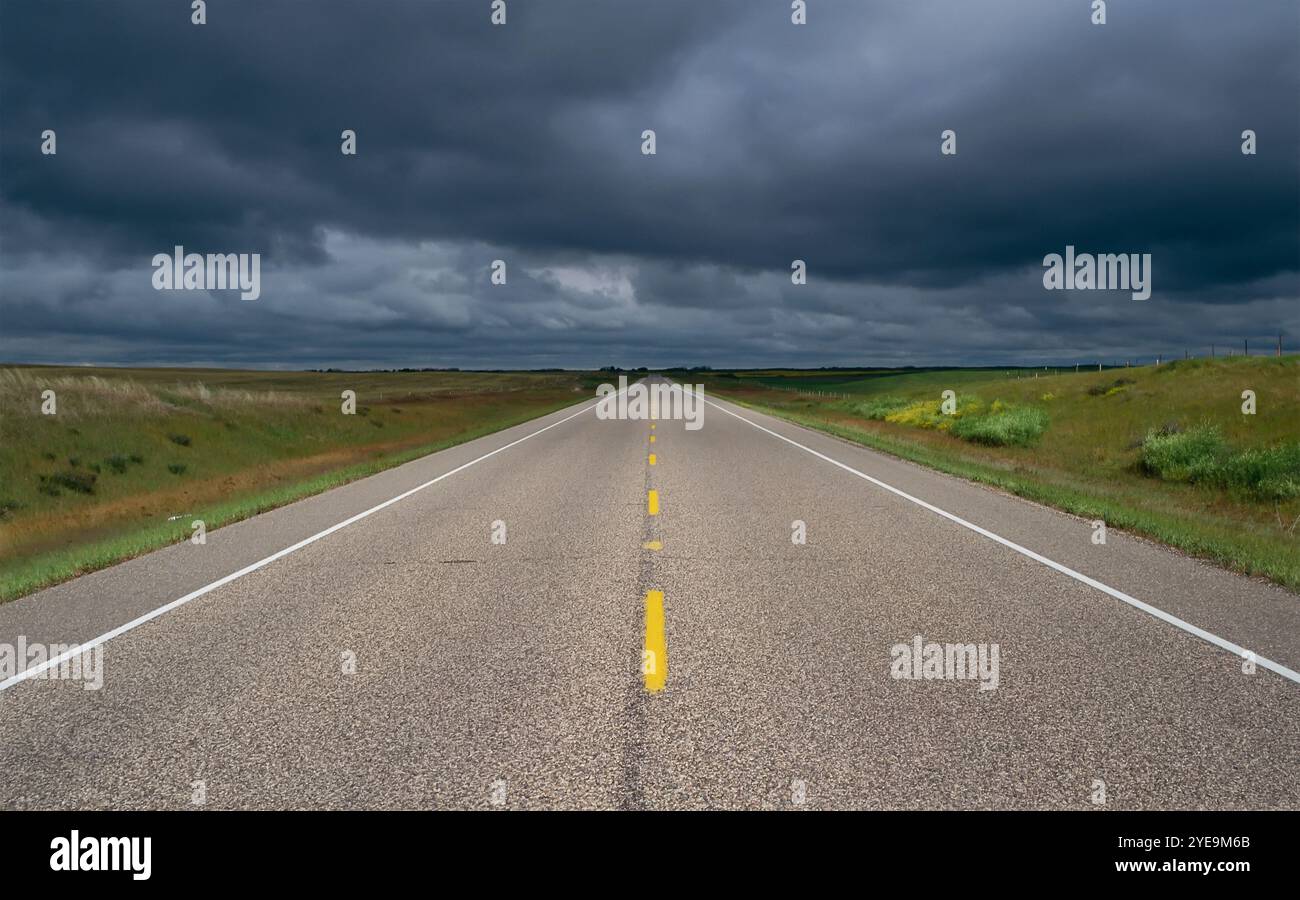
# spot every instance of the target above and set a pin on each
(88, 396)
(21, 395)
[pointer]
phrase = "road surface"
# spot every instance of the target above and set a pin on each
(405, 660)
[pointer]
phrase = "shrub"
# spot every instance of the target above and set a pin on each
(924, 414)
(1003, 426)
(81, 482)
(136, 458)
(182, 439)
(1107, 390)
(117, 463)
(997, 424)
(176, 468)
(1183, 456)
(879, 407)
(1199, 455)
(1270, 473)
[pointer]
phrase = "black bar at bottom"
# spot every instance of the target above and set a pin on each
(333, 849)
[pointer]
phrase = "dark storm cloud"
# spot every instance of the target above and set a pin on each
(522, 142)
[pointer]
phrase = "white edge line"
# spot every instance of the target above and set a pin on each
(1051, 564)
(107, 636)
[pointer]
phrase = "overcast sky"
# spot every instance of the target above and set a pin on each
(522, 142)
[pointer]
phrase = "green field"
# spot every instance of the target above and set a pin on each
(131, 457)
(1163, 451)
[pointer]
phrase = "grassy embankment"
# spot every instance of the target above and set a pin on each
(133, 456)
(1163, 451)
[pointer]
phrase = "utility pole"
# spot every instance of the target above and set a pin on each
(1245, 346)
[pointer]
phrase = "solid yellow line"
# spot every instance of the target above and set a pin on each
(652, 438)
(654, 660)
(652, 503)
(652, 426)
(652, 545)
(652, 459)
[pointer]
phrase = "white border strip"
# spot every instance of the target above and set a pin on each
(193, 595)
(1051, 564)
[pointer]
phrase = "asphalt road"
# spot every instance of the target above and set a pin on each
(512, 675)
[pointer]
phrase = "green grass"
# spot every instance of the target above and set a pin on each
(1161, 451)
(130, 449)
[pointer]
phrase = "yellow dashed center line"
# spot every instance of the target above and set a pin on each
(654, 659)
(654, 656)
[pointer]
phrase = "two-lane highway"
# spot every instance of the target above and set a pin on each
(652, 633)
